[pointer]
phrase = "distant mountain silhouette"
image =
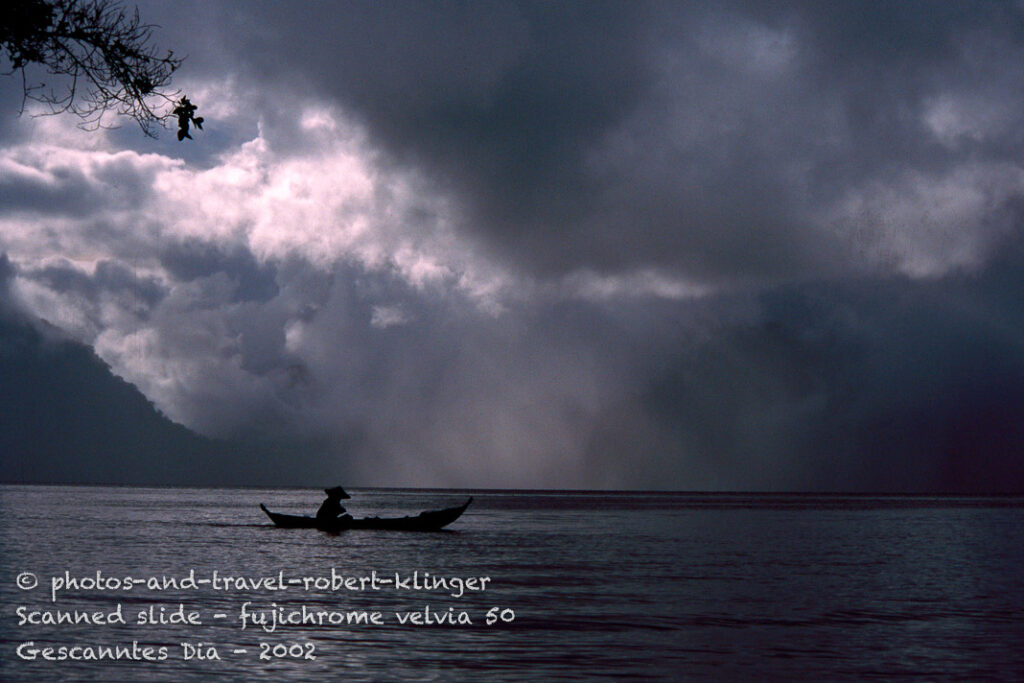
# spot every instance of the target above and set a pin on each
(66, 418)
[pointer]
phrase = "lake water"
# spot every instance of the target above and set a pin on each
(582, 586)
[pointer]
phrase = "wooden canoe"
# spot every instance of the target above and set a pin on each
(432, 520)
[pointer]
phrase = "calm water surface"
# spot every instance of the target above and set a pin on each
(629, 586)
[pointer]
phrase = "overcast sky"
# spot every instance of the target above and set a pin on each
(653, 245)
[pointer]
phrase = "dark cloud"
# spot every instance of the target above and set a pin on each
(738, 246)
(867, 385)
(108, 276)
(6, 273)
(192, 259)
(612, 135)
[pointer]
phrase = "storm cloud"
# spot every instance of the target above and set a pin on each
(614, 245)
(731, 143)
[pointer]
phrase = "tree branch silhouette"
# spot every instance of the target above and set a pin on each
(101, 55)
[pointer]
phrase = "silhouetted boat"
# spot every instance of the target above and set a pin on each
(432, 520)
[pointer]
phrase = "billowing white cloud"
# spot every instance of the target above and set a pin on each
(263, 289)
(500, 253)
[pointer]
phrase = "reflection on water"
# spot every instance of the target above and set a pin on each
(635, 586)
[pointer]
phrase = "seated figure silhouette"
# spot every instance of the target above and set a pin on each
(186, 112)
(331, 510)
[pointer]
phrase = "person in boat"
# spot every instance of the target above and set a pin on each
(331, 510)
